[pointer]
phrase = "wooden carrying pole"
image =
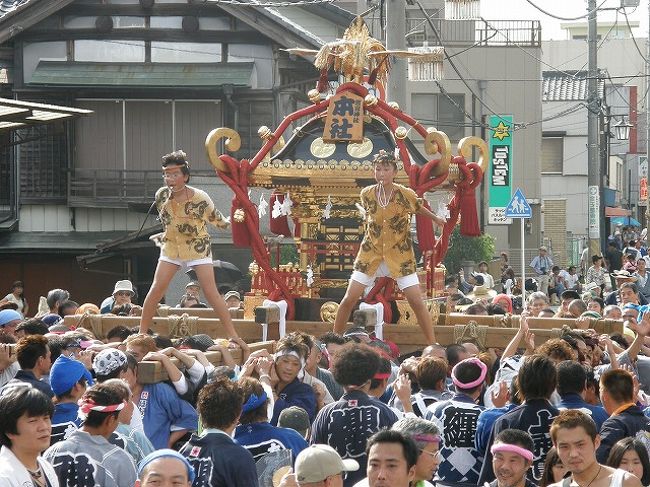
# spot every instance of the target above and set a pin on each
(150, 372)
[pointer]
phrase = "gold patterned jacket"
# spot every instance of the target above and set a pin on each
(185, 235)
(388, 232)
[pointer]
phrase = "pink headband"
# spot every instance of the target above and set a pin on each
(475, 383)
(506, 447)
(427, 437)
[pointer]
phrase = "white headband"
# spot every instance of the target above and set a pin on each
(289, 353)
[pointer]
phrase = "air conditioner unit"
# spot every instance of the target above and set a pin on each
(629, 3)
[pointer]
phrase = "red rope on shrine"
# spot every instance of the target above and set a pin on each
(246, 233)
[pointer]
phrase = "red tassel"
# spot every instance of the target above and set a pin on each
(426, 236)
(322, 81)
(279, 225)
(469, 226)
(240, 235)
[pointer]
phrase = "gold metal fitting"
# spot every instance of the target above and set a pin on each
(239, 215)
(264, 132)
(401, 133)
(370, 100)
(313, 95)
(394, 105)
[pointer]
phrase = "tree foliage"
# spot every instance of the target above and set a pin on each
(463, 248)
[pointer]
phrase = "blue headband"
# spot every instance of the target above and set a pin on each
(254, 402)
(166, 453)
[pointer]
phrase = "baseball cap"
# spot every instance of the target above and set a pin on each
(51, 319)
(231, 294)
(198, 342)
(65, 373)
(295, 418)
(317, 462)
(192, 283)
(7, 315)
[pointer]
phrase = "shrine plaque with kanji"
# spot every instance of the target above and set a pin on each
(344, 120)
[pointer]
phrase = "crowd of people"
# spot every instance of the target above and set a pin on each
(341, 409)
(335, 410)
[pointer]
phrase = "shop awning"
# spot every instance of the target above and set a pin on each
(611, 212)
(71, 74)
(16, 113)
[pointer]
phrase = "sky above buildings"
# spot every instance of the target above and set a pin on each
(551, 28)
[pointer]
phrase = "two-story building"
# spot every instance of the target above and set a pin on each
(158, 75)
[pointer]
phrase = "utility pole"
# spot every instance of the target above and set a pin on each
(396, 39)
(593, 112)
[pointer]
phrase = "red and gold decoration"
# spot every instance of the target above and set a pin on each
(322, 168)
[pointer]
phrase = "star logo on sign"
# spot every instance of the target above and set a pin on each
(501, 131)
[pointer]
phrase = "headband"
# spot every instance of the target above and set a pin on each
(87, 405)
(475, 383)
(429, 438)
(381, 375)
(509, 448)
(166, 453)
(290, 353)
(253, 402)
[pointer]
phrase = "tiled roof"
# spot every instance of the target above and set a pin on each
(567, 86)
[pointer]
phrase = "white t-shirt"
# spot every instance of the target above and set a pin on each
(18, 302)
(571, 280)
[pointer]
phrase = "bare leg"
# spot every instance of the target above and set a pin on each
(165, 271)
(352, 295)
(205, 273)
(414, 298)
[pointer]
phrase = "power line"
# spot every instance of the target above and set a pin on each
(627, 21)
(254, 3)
(453, 65)
(565, 18)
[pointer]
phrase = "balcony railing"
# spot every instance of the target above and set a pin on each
(485, 33)
(115, 188)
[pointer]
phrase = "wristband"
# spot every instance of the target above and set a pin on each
(265, 375)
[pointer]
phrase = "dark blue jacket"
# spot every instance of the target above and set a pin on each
(534, 417)
(575, 401)
(29, 377)
(347, 424)
(457, 419)
(627, 423)
(295, 394)
(262, 438)
(219, 462)
(65, 420)
(484, 426)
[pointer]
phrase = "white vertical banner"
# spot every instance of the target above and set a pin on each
(594, 212)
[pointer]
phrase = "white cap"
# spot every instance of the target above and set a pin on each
(124, 286)
(317, 462)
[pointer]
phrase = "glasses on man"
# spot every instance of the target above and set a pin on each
(432, 454)
(172, 175)
(123, 293)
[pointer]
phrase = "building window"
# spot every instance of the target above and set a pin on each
(552, 154)
(185, 52)
(440, 111)
(109, 51)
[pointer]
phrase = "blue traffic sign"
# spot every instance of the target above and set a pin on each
(518, 206)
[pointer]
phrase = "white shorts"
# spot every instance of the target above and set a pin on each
(382, 271)
(186, 263)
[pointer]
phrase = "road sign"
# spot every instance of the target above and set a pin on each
(518, 206)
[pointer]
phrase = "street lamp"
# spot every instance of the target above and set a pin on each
(622, 129)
